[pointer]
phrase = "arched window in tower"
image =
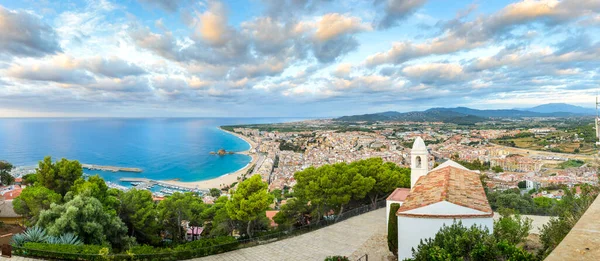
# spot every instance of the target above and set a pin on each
(418, 159)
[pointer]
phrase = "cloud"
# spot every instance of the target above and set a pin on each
(332, 25)
(343, 70)
(459, 35)
(50, 73)
(435, 73)
(212, 24)
(396, 10)
(167, 5)
(24, 34)
(113, 67)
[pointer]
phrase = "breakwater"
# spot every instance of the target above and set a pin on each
(110, 168)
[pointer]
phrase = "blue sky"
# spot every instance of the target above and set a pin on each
(140, 58)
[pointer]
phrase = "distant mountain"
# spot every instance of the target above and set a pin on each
(436, 114)
(561, 107)
(467, 116)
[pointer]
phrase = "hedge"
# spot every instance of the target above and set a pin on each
(62, 252)
(198, 248)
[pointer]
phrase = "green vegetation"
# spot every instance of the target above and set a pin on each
(523, 204)
(66, 208)
(58, 176)
(5, 177)
(571, 164)
(39, 235)
(392, 235)
(85, 217)
(570, 208)
(286, 145)
(215, 192)
(456, 242)
(248, 201)
(332, 188)
(574, 137)
(512, 228)
(522, 184)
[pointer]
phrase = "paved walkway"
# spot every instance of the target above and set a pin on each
(343, 238)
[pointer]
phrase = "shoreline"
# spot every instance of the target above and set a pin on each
(225, 179)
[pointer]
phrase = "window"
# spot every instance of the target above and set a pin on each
(418, 161)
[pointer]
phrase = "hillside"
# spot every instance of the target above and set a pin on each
(467, 116)
(430, 115)
(561, 107)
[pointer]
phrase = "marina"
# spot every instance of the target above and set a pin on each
(165, 188)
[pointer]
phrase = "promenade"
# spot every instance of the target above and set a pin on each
(343, 238)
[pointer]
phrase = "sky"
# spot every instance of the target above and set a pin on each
(293, 58)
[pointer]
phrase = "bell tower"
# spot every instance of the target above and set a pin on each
(419, 161)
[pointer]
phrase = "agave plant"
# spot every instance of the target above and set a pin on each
(35, 234)
(53, 240)
(18, 240)
(69, 239)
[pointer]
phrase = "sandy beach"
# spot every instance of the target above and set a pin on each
(224, 180)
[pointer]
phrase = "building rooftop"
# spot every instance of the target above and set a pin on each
(399, 194)
(455, 185)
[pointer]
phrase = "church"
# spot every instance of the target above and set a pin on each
(439, 196)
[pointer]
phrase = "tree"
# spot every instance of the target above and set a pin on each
(215, 192)
(220, 224)
(277, 194)
(33, 200)
(248, 201)
(388, 176)
(58, 176)
(456, 242)
(29, 179)
(331, 187)
(177, 208)
(522, 184)
(5, 177)
(512, 228)
(139, 213)
(86, 218)
(497, 169)
(544, 205)
(392, 235)
(294, 213)
(94, 186)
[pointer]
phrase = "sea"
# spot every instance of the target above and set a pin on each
(164, 148)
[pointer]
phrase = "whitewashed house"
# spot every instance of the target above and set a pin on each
(398, 196)
(447, 193)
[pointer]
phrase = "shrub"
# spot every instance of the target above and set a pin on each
(60, 252)
(512, 228)
(39, 235)
(457, 242)
(393, 229)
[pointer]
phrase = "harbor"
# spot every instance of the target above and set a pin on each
(164, 188)
(110, 168)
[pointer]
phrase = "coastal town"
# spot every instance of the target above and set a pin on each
(283, 153)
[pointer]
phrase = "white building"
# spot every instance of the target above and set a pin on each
(447, 193)
(398, 196)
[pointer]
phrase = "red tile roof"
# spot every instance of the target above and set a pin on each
(399, 194)
(10, 195)
(451, 184)
(270, 214)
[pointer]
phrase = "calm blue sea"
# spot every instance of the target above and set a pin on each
(165, 148)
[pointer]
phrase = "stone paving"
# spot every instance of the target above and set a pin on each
(343, 238)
